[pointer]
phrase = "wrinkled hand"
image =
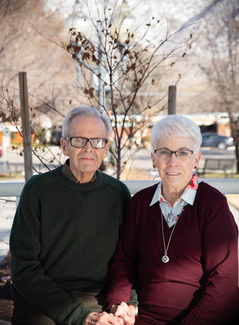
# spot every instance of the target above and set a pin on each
(124, 313)
(102, 319)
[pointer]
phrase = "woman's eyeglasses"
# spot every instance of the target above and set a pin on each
(181, 154)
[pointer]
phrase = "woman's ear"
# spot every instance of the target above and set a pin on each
(197, 158)
(153, 159)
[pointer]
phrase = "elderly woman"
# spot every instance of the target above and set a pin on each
(179, 244)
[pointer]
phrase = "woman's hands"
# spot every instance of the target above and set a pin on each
(102, 319)
(125, 314)
(119, 315)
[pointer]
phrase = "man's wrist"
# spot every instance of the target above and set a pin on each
(135, 305)
(92, 318)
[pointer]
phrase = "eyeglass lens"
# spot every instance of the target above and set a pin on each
(181, 154)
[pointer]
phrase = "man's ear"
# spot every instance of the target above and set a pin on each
(107, 147)
(64, 146)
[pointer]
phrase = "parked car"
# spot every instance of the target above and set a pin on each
(0, 150)
(216, 140)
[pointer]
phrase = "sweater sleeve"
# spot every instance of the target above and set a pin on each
(219, 262)
(28, 276)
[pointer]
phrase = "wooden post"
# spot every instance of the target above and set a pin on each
(26, 128)
(172, 94)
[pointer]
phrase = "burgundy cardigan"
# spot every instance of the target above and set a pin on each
(199, 282)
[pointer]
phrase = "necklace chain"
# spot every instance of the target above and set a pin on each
(165, 257)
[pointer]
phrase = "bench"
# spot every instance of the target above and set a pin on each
(213, 165)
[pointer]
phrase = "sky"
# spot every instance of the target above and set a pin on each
(179, 10)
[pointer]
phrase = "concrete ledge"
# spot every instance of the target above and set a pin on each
(4, 322)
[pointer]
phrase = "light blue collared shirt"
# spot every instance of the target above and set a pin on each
(172, 214)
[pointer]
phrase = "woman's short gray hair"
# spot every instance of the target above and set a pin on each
(85, 111)
(173, 126)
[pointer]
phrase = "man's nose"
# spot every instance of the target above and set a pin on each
(88, 146)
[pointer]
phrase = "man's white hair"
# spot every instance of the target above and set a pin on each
(85, 111)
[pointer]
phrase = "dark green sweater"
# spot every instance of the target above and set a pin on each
(63, 236)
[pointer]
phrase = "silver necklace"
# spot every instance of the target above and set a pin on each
(165, 257)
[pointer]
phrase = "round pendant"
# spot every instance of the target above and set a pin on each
(170, 215)
(165, 259)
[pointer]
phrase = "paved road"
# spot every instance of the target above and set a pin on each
(49, 158)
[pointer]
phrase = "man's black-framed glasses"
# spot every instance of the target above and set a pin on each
(80, 142)
(181, 154)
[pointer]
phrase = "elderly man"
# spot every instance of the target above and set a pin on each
(66, 229)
